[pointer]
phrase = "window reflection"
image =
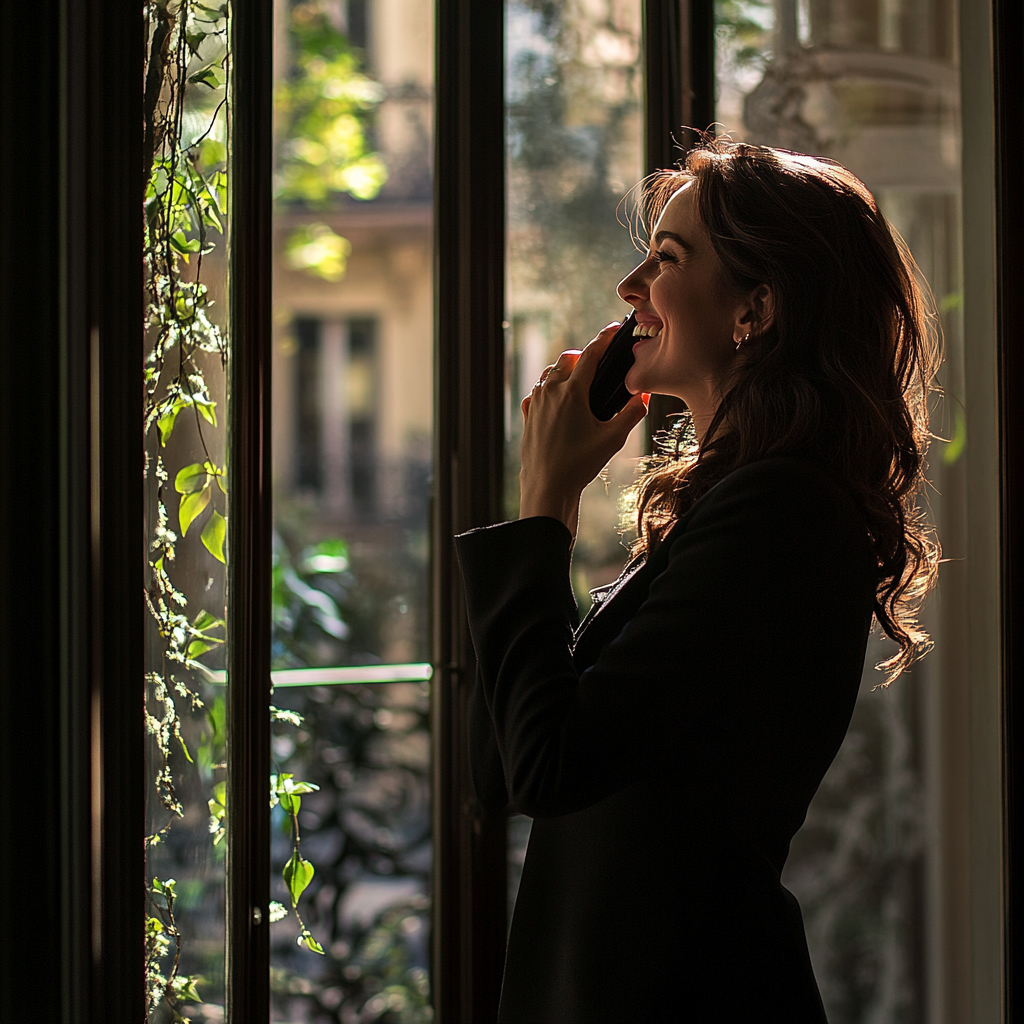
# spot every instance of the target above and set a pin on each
(875, 86)
(353, 409)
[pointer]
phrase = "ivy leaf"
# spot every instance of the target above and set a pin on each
(279, 715)
(196, 648)
(288, 785)
(212, 76)
(191, 478)
(207, 410)
(291, 802)
(191, 505)
(195, 40)
(185, 988)
(306, 939)
(166, 423)
(205, 621)
(182, 245)
(213, 535)
(297, 874)
(218, 804)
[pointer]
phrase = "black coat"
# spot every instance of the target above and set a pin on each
(669, 748)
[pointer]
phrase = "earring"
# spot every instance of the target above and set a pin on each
(746, 338)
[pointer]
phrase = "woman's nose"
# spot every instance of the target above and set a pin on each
(634, 288)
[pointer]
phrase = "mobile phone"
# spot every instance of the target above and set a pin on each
(608, 393)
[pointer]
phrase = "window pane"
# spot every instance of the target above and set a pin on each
(187, 508)
(353, 409)
(875, 85)
(574, 147)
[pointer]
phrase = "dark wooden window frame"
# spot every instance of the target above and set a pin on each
(71, 623)
(1008, 88)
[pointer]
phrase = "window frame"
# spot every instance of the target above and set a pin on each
(1007, 40)
(70, 232)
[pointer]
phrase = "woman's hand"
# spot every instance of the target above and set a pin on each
(564, 445)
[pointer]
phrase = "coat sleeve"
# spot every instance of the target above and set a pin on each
(768, 558)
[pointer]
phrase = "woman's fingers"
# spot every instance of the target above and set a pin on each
(632, 412)
(563, 368)
(591, 355)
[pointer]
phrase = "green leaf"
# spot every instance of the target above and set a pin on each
(196, 648)
(213, 535)
(166, 423)
(291, 802)
(184, 246)
(212, 152)
(306, 939)
(213, 77)
(288, 785)
(184, 749)
(205, 620)
(297, 874)
(185, 988)
(284, 715)
(191, 505)
(207, 410)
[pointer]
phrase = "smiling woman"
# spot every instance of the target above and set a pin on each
(694, 319)
(694, 712)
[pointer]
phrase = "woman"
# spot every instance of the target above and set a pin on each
(669, 747)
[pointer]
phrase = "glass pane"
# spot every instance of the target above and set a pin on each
(186, 412)
(353, 409)
(574, 143)
(875, 85)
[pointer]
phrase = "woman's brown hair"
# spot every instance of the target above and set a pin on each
(840, 365)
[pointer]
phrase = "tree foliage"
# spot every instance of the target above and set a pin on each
(323, 107)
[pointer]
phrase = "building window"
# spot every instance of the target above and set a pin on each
(335, 416)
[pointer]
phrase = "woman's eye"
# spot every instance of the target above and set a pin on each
(664, 257)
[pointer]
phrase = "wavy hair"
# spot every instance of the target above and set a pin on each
(841, 367)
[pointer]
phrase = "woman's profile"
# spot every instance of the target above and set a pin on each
(668, 746)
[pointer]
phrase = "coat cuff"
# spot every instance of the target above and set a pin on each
(526, 557)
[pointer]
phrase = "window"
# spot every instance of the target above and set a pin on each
(71, 564)
(336, 386)
(353, 416)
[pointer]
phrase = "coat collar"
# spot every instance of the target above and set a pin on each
(615, 603)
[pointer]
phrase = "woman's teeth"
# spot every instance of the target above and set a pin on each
(646, 330)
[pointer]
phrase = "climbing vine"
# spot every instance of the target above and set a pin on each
(185, 202)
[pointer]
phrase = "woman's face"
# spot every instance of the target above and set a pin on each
(689, 310)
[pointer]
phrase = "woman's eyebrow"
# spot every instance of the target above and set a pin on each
(678, 239)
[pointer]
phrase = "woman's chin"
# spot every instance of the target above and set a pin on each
(634, 382)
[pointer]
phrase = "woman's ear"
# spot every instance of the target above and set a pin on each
(756, 315)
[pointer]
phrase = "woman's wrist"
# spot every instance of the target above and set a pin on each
(563, 507)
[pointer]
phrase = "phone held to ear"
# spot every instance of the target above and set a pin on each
(608, 393)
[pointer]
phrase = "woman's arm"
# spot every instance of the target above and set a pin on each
(769, 566)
